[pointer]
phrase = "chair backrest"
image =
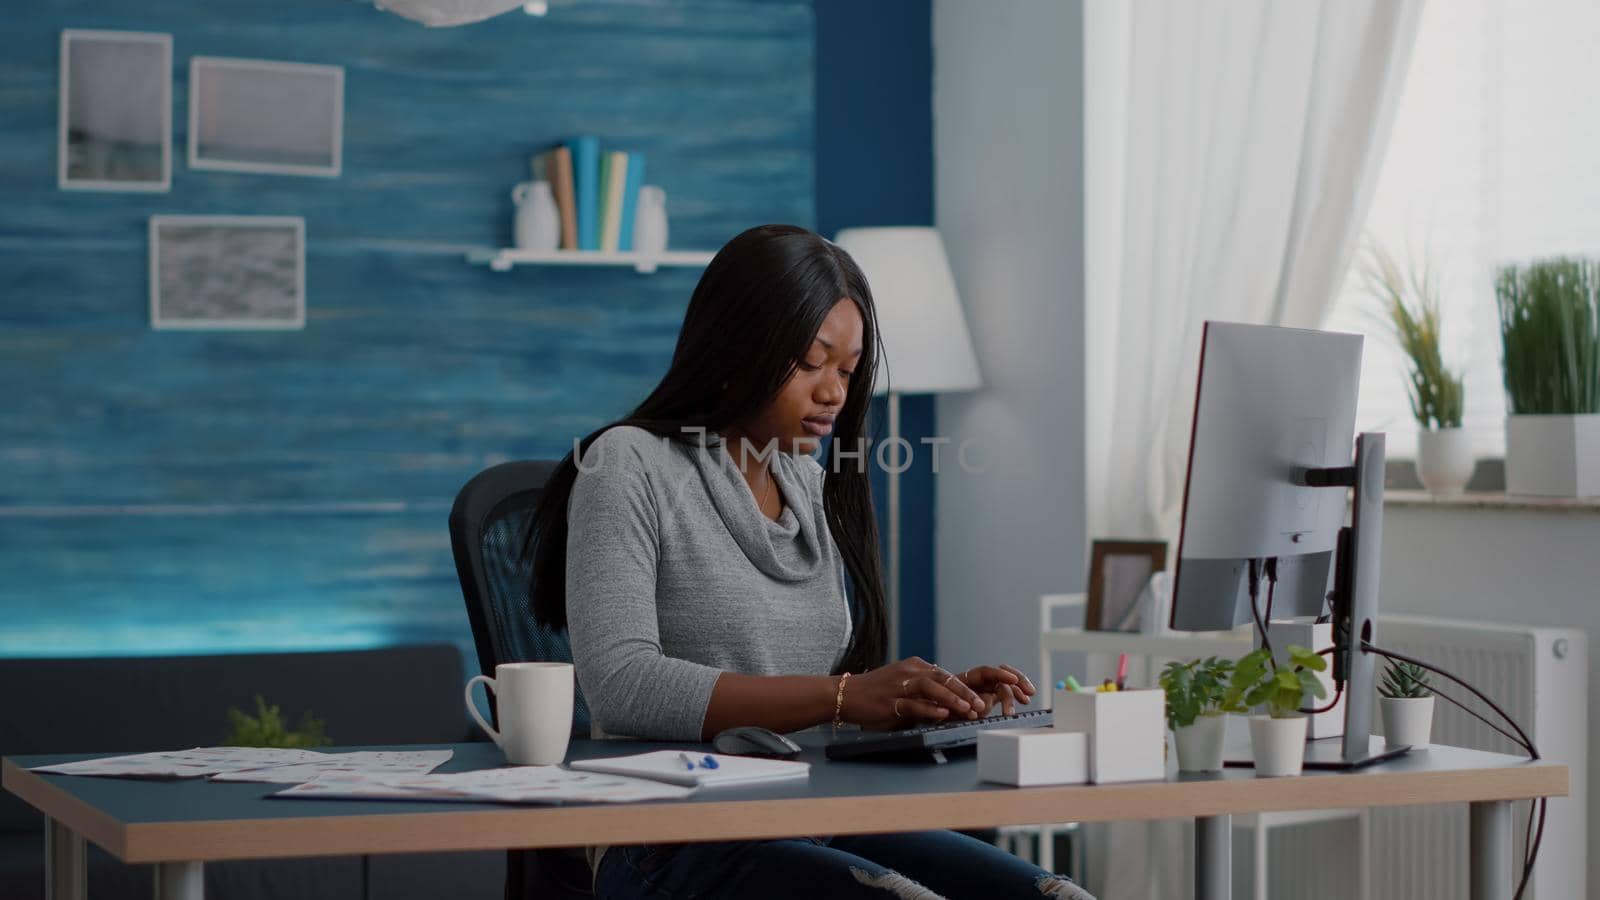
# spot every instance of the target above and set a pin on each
(488, 534)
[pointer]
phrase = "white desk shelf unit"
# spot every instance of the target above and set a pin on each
(1146, 654)
(1145, 649)
(502, 259)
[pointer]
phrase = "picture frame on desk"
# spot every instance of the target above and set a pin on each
(1118, 573)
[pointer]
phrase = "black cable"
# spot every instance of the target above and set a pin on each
(1476, 715)
(1389, 654)
(1270, 570)
(1531, 840)
(1254, 585)
(1531, 847)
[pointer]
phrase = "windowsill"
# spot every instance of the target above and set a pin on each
(1498, 500)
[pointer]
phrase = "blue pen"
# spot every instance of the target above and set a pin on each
(709, 762)
(687, 762)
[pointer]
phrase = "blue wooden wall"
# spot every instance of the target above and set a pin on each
(875, 167)
(200, 492)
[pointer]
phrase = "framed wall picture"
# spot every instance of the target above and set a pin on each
(1118, 573)
(114, 129)
(227, 272)
(253, 115)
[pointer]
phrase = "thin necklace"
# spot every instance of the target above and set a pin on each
(767, 489)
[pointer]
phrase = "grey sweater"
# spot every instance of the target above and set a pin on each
(674, 576)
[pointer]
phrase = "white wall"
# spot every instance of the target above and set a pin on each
(1008, 133)
(1520, 566)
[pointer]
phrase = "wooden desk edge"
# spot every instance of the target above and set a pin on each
(757, 819)
(60, 805)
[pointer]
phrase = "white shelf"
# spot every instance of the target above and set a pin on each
(501, 260)
(1182, 645)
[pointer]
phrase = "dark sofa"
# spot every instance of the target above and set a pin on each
(402, 695)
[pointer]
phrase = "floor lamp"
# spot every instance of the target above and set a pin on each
(925, 344)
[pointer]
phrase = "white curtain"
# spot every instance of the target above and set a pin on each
(1231, 184)
(1231, 148)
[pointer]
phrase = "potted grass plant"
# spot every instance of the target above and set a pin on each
(1196, 710)
(1411, 306)
(1550, 335)
(1407, 705)
(1277, 739)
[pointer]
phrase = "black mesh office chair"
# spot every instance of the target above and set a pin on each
(488, 530)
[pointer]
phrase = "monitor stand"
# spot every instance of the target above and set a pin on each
(1326, 754)
(1355, 606)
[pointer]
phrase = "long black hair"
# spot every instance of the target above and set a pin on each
(751, 320)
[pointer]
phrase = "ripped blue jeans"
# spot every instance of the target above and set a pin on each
(926, 865)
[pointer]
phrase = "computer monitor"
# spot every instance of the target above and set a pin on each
(1273, 456)
(1271, 401)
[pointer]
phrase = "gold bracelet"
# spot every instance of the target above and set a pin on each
(838, 703)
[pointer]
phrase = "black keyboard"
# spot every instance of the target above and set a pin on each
(929, 741)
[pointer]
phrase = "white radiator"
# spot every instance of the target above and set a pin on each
(1539, 676)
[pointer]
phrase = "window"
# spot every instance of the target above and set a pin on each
(1491, 159)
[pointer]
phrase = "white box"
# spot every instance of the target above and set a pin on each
(1312, 636)
(1553, 456)
(1030, 756)
(1127, 731)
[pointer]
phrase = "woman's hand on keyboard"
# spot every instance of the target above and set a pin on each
(907, 693)
(1001, 685)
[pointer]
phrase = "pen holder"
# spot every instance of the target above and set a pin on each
(1125, 730)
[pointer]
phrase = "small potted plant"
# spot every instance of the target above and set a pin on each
(1411, 304)
(1277, 739)
(1550, 335)
(1196, 691)
(1407, 704)
(268, 728)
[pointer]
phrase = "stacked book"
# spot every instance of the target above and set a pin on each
(596, 193)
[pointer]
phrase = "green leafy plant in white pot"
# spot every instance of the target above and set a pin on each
(1550, 335)
(1277, 739)
(1407, 706)
(1197, 711)
(1411, 304)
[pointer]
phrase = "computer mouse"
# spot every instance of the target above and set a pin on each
(753, 740)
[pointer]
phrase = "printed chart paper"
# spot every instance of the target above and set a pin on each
(360, 762)
(196, 763)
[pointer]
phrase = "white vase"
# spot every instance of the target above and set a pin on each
(1200, 744)
(538, 225)
(1444, 460)
(1553, 456)
(1407, 721)
(650, 226)
(1278, 745)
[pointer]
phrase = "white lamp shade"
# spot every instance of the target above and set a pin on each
(925, 342)
(448, 13)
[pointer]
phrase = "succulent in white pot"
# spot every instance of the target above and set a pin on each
(1407, 706)
(1277, 739)
(1411, 304)
(1550, 336)
(1196, 711)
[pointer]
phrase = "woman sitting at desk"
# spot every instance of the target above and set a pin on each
(703, 563)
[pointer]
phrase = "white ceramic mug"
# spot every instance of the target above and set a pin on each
(534, 700)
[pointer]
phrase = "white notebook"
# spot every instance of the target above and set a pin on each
(669, 766)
